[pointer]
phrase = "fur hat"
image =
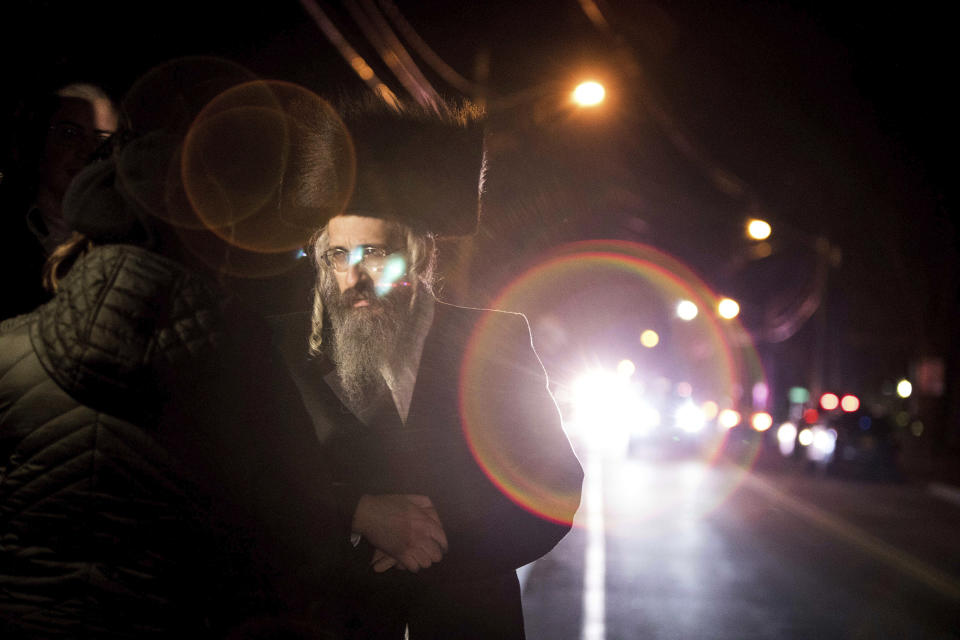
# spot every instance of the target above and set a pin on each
(418, 166)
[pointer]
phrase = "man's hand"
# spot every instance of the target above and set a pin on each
(381, 562)
(406, 528)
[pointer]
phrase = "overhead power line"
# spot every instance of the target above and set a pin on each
(349, 54)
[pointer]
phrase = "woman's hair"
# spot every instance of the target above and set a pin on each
(62, 259)
(421, 252)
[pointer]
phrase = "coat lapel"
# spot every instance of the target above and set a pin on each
(437, 386)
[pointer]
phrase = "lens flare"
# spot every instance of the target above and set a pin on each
(267, 163)
(238, 166)
(829, 401)
(394, 270)
(578, 270)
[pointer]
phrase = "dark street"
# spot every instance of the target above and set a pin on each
(692, 549)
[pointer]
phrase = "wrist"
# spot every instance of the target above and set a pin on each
(358, 524)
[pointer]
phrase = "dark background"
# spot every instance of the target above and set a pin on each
(834, 123)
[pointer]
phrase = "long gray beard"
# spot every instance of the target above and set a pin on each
(363, 343)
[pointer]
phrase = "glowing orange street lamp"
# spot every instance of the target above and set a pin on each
(758, 229)
(728, 308)
(761, 421)
(589, 94)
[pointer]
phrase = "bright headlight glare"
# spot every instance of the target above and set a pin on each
(787, 438)
(690, 417)
(824, 440)
(787, 432)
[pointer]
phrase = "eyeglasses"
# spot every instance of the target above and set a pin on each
(373, 258)
(68, 134)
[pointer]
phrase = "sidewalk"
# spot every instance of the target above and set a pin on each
(940, 473)
(920, 466)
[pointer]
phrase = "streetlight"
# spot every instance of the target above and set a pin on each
(761, 421)
(758, 229)
(589, 94)
(728, 308)
(728, 418)
(687, 310)
(904, 388)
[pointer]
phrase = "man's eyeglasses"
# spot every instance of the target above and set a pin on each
(373, 258)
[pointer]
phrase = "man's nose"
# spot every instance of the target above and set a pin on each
(356, 273)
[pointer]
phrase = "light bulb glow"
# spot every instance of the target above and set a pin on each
(761, 421)
(728, 308)
(758, 229)
(849, 403)
(728, 418)
(904, 388)
(687, 310)
(589, 94)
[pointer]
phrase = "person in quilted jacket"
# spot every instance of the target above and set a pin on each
(158, 474)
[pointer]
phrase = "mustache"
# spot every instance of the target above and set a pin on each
(351, 296)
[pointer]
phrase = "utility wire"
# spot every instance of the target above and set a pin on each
(721, 179)
(377, 30)
(428, 55)
(349, 54)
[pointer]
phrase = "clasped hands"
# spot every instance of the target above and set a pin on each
(405, 530)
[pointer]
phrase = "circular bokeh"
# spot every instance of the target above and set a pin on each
(243, 169)
(572, 279)
(267, 163)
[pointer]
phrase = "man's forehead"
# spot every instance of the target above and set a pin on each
(349, 230)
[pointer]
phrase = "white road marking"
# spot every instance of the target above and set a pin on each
(594, 569)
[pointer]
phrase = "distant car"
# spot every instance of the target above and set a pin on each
(866, 447)
(679, 429)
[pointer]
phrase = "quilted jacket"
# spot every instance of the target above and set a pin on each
(109, 394)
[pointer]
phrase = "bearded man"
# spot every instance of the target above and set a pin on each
(450, 459)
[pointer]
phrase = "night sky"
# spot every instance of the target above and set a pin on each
(831, 122)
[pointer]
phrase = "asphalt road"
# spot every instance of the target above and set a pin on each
(689, 548)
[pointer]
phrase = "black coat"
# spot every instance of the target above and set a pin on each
(156, 476)
(482, 424)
